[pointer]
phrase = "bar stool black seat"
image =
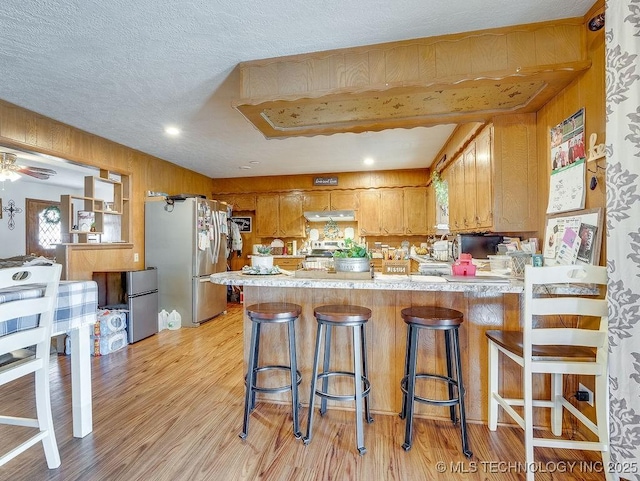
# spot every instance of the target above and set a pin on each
(354, 317)
(271, 313)
(448, 321)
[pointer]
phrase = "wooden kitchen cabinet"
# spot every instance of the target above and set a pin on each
(468, 201)
(381, 212)
(454, 175)
(515, 174)
(288, 263)
(239, 202)
(493, 184)
(369, 213)
(483, 184)
(416, 216)
(431, 211)
(392, 211)
(333, 200)
(344, 200)
(316, 201)
(279, 215)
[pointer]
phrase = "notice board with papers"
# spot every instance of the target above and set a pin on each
(573, 238)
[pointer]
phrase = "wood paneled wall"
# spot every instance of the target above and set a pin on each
(23, 129)
(432, 59)
(346, 180)
(587, 91)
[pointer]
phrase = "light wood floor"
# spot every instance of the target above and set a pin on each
(170, 408)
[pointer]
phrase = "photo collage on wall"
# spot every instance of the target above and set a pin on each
(568, 159)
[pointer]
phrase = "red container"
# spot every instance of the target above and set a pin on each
(463, 266)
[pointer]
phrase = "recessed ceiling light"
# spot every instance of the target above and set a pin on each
(254, 162)
(173, 131)
(244, 167)
(368, 161)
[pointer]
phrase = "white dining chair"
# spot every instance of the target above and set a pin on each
(569, 349)
(40, 337)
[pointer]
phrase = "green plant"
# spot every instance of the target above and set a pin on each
(51, 214)
(441, 188)
(352, 249)
(264, 250)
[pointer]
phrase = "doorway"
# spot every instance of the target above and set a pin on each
(43, 227)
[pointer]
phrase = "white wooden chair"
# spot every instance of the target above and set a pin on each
(556, 351)
(39, 336)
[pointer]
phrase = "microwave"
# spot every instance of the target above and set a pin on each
(478, 245)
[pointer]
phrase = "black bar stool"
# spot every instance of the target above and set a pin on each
(354, 317)
(448, 321)
(271, 313)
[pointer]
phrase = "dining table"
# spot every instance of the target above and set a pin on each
(76, 312)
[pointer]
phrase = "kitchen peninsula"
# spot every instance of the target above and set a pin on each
(485, 305)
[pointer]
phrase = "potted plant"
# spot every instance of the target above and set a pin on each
(353, 258)
(263, 258)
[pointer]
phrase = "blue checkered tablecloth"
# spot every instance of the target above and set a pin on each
(77, 305)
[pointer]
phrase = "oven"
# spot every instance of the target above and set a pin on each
(321, 255)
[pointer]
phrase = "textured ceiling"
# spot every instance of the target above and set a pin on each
(125, 70)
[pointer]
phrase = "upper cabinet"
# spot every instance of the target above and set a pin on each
(483, 185)
(316, 201)
(102, 215)
(515, 174)
(401, 211)
(330, 200)
(239, 202)
(369, 213)
(493, 184)
(344, 200)
(416, 212)
(279, 215)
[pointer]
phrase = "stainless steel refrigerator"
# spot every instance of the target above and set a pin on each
(137, 293)
(185, 239)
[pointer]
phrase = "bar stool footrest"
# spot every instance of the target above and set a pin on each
(276, 389)
(435, 402)
(342, 397)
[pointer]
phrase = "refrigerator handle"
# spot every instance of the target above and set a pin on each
(210, 225)
(216, 237)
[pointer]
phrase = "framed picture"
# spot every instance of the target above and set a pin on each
(574, 238)
(244, 223)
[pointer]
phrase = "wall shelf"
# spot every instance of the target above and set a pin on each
(106, 198)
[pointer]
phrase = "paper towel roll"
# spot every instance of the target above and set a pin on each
(109, 322)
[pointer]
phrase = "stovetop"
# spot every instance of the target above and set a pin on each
(320, 253)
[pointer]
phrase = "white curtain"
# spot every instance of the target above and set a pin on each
(622, 37)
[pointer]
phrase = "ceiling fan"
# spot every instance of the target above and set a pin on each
(9, 170)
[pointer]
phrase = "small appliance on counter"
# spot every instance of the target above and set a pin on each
(463, 266)
(479, 246)
(321, 254)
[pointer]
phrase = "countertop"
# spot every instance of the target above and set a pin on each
(380, 282)
(282, 256)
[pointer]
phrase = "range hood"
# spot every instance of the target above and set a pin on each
(327, 215)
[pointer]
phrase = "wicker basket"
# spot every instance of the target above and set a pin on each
(518, 261)
(277, 251)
